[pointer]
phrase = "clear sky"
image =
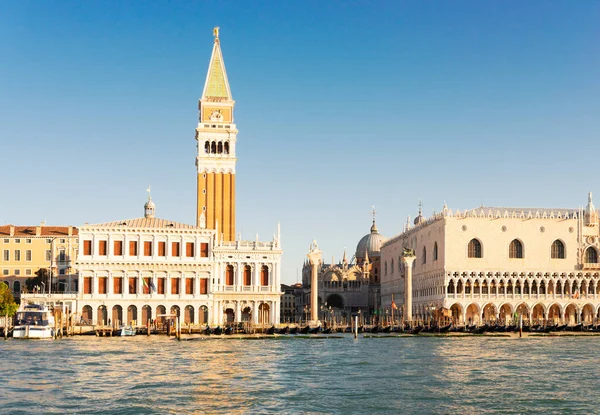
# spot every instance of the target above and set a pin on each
(340, 106)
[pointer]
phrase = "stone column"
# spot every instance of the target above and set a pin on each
(314, 256)
(408, 258)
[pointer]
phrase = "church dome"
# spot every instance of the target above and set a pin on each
(419, 220)
(370, 243)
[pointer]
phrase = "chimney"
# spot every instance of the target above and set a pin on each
(38, 230)
(12, 230)
(70, 231)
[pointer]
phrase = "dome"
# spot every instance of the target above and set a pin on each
(149, 209)
(419, 220)
(370, 243)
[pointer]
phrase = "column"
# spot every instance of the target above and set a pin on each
(255, 313)
(255, 277)
(408, 258)
(196, 286)
(314, 256)
(238, 312)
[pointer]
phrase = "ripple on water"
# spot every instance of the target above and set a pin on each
(416, 375)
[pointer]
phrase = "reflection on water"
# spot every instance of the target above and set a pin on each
(397, 375)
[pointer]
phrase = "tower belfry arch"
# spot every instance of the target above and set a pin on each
(216, 135)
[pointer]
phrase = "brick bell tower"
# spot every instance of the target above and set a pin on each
(216, 137)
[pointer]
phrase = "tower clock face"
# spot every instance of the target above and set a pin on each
(216, 115)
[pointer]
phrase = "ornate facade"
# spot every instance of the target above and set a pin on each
(144, 268)
(348, 287)
(494, 263)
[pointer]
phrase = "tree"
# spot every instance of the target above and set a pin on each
(41, 277)
(7, 301)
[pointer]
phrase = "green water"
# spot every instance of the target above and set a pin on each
(413, 375)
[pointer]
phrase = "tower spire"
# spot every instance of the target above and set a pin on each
(216, 88)
(374, 227)
(216, 135)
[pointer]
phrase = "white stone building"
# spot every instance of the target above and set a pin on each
(494, 263)
(138, 269)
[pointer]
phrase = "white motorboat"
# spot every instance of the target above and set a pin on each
(34, 321)
(128, 331)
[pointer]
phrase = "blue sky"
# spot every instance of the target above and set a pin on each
(340, 106)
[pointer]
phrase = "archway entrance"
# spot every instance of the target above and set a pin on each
(229, 316)
(247, 314)
(523, 311)
(587, 314)
(473, 314)
(457, 315)
(489, 313)
(505, 313)
(203, 315)
(175, 311)
(102, 315)
(554, 313)
(132, 315)
(571, 314)
(117, 315)
(86, 315)
(160, 315)
(146, 314)
(263, 314)
(537, 314)
(188, 315)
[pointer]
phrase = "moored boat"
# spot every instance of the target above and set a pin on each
(34, 321)
(128, 330)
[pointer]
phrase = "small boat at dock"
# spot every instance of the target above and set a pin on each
(128, 330)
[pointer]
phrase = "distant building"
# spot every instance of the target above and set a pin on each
(497, 263)
(26, 249)
(288, 304)
(349, 287)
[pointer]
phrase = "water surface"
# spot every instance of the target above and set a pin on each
(411, 375)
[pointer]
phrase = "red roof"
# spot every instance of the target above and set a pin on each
(45, 230)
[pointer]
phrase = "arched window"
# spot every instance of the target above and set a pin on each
(220, 148)
(392, 267)
(226, 147)
(435, 251)
(229, 275)
(17, 287)
(474, 250)
(591, 256)
(207, 147)
(385, 268)
(264, 275)
(558, 250)
(424, 259)
(213, 148)
(515, 250)
(247, 275)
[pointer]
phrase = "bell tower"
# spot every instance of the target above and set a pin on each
(216, 137)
